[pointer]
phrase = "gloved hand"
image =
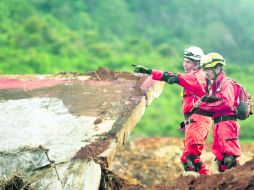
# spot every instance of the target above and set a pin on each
(141, 69)
(170, 78)
(181, 127)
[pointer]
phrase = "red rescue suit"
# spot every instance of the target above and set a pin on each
(196, 131)
(225, 133)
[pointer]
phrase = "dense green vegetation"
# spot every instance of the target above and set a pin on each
(43, 36)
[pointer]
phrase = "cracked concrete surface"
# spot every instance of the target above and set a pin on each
(59, 131)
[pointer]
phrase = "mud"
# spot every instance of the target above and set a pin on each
(94, 149)
(109, 180)
(154, 163)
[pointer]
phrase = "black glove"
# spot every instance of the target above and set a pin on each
(141, 69)
(182, 127)
(170, 78)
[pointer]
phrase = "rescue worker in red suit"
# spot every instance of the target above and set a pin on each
(197, 125)
(226, 146)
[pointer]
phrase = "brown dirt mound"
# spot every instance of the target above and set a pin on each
(156, 161)
(241, 177)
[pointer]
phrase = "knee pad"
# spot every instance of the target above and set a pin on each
(230, 161)
(193, 163)
(227, 163)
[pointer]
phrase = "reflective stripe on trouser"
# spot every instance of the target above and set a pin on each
(226, 139)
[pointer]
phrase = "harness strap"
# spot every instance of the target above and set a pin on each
(203, 112)
(225, 118)
(188, 122)
(199, 112)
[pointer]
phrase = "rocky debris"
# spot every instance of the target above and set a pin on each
(15, 183)
(154, 163)
(62, 131)
(75, 174)
(97, 121)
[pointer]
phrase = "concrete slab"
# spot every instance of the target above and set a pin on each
(49, 123)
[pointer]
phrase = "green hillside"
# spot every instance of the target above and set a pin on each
(43, 36)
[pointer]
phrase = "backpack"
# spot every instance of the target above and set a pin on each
(243, 101)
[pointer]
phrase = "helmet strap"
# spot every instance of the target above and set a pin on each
(196, 65)
(216, 75)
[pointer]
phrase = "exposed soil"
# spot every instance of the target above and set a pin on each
(111, 181)
(155, 163)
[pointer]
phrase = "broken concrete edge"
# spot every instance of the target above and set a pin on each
(58, 176)
(117, 137)
(122, 129)
(88, 177)
(152, 89)
(106, 145)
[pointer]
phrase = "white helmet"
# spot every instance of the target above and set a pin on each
(193, 53)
